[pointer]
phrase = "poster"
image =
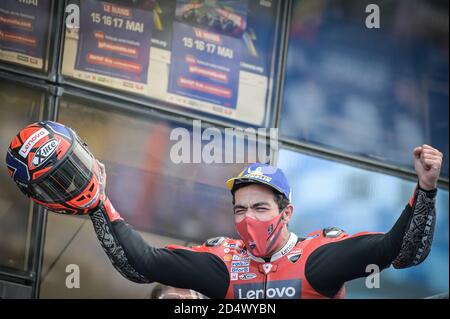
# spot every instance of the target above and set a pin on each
(205, 65)
(114, 43)
(207, 56)
(24, 32)
(206, 50)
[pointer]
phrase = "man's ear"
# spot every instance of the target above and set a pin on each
(287, 213)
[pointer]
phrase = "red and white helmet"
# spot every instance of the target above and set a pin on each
(53, 166)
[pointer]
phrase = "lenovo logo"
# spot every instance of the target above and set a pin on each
(280, 289)
(31, 141)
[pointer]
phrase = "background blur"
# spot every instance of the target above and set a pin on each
(350, 103)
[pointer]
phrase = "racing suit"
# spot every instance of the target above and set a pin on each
(313, 267)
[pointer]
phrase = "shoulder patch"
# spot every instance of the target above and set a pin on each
(332, 232)
(216, 241)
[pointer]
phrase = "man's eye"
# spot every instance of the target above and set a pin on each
(261, 209)
(238, 212)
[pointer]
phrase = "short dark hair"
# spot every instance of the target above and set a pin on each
(278, 197)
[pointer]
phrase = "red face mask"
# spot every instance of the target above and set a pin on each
(260, 237)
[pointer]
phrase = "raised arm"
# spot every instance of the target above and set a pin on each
(408, 243)
(418, 236)
(139, 262)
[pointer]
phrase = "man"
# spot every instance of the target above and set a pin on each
(267, 262)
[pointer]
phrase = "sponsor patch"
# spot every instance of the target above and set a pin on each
(45, 152)
(31, 141)
(240, 269)
(237, 257)
(216, 241)
(313, 236)
(267, 268)
(288, 248)
(234, 276)
(247, 276)
(227, 257)
(240, 263)
(278, 289)
(332, 232)
(294, 257)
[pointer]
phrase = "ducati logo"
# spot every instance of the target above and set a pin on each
(267, 268)
(270, 229)
(294, 257)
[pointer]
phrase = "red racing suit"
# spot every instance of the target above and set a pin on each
(283, 276)
(317, 266)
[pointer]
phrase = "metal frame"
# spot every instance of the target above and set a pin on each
(277, 64)
(356, 161)
(287, 15)
(37, 227)
(136, 109)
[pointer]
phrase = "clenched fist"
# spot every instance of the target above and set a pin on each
(427, 163)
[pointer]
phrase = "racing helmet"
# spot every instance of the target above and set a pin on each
(53, 166)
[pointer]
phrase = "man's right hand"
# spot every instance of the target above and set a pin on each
(102, 180)
(113, 215)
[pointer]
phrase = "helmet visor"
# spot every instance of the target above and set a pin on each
(68, 180)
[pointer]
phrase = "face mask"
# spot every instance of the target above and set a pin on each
(260, 237)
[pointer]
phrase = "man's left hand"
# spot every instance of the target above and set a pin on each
(427, 163)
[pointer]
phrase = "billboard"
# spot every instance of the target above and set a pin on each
(24, 28)
(214, 57)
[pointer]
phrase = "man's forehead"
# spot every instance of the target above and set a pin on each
(253, 194)
(255, 188)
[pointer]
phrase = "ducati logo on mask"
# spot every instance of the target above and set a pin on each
(270, 230)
